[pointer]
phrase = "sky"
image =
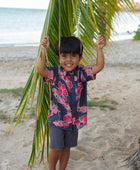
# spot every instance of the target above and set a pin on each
(37, 4)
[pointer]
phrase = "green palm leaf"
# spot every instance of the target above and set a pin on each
(81, 18)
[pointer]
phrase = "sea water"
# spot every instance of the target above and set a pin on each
(124, 24)
(23, 27)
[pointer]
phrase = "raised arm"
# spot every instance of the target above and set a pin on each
(100, 55)
(41, 68)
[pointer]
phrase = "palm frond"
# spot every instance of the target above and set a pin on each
(134, 160)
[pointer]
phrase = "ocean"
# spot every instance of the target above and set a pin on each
(23, 27)
(20, 27)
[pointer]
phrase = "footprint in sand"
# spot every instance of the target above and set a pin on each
(76, 155)
(5, 165)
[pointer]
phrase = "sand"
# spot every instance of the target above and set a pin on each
(110, 136)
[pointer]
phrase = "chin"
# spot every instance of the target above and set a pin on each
(69, 69)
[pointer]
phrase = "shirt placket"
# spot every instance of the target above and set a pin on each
(73, 103)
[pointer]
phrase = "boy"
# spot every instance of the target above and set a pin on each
(68, 108)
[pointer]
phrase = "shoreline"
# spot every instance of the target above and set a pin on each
(115, 53)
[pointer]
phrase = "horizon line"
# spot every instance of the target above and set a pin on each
(23, 8)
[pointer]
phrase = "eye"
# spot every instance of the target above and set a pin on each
(64, 56)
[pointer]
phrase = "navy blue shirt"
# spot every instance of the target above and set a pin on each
(68, 106)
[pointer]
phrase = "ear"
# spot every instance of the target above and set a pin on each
(80, 58)
(58, 58)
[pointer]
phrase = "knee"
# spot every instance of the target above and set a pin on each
(66, 149)
(56, 150)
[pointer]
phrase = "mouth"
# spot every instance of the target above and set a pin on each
(69, 65)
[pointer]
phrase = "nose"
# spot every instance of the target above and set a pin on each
(69, 58)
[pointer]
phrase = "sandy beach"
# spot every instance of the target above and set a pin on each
(111, 134)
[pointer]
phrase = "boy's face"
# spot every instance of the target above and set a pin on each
(69, 61)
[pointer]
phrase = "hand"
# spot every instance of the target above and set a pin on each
(45, 42)
(100, 43)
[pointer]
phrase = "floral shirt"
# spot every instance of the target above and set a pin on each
(68, 106)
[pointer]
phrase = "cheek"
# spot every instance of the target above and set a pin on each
(61, 61)
(76, 61)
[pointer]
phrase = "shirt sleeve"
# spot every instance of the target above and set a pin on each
(50, 77)
(87, 74)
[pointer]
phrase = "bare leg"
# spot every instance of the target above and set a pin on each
(64, 158)
(54, 156)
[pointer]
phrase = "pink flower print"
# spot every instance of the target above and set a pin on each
(69, 83)
(77, 123)
(88, 67)
(89, 72)
(78, 90)
(50, 76)
(66, 125)
(68, 118)
(83, 119)
(75, 78)
(54, 90)
(54, 79)
(82, 77)
(62, 91)
(59, 98)
(54, 109)
(82, 109)
(67, 107)
(49, 114)
(48, 80)
(62, 74)
(58, 123)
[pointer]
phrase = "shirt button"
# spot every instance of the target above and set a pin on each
(73, 105)
(73, 93)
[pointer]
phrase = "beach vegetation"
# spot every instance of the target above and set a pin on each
(16, 91)
(103, 104)
(83, 19)
(3, 116)
(137, 34)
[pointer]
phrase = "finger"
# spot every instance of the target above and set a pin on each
(99, 36)
(45, 37)
(102, 39)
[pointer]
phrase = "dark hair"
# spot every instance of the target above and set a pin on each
(69, 45)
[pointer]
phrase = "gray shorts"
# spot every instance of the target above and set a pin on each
(60, 138)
